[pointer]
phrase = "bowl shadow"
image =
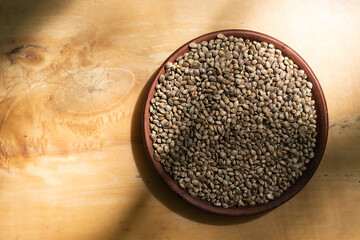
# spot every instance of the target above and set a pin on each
(321, 125)
(157, 186)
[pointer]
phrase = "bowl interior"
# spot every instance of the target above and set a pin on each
(321, 125)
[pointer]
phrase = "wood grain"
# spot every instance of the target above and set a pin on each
(72, 75)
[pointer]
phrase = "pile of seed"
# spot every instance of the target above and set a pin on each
(233, 122)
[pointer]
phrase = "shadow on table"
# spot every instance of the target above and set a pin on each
(16, 16)
(156, 185)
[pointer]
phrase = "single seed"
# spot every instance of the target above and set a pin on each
(167, 108)
(248, 184)
(193, 45)
(168, 65)
(270, 196)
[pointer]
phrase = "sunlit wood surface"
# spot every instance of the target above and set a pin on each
(73, 76)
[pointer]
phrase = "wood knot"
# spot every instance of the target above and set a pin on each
(26, 54)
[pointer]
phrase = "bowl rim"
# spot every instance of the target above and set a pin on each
(322, 127)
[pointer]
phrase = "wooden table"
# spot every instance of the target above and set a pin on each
(73, 76)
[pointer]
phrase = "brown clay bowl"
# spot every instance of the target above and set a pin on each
(322, 128)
